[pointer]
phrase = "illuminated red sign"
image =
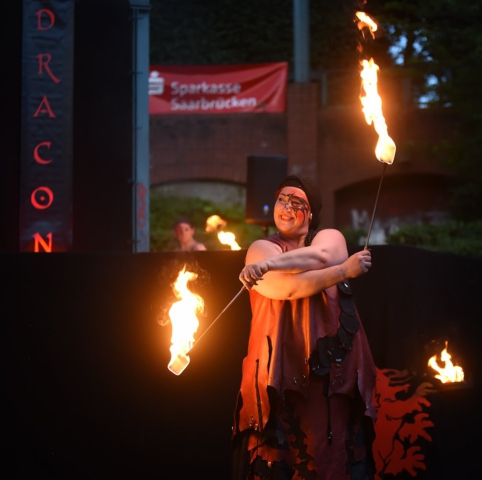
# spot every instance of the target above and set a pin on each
(46, 130)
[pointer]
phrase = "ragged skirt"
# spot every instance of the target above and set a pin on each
(307, 437)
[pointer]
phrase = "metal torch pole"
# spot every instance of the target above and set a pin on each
(375, 207)
(215, 320)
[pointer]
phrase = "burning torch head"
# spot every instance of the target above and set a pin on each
(215, 223)
(312, 193)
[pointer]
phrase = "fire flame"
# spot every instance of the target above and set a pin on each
(366, 21)
(450, 373)
(215, 223)
(228, 238)
(372, 102)
(183, 315)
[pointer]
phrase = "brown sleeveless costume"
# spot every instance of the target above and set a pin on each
(304, 409)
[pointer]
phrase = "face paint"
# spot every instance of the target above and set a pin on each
(298, 204)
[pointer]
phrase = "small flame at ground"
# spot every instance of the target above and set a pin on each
(183, 315)
(450, 373)
(216, 223)
(371, 100)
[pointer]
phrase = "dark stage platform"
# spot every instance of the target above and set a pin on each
(89, 394)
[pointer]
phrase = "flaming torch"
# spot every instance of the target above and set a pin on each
(372, 109)
(228, 238)
(184, 321)
(216, 223)
(449, 373)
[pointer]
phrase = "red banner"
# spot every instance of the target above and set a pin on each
(218, 89)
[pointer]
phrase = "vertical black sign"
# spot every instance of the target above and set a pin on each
(46, 130)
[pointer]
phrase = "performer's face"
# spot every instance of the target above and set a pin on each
(292, 211)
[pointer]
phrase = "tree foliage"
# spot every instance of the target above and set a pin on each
(443, 54)
(461, 238)
(204, 32)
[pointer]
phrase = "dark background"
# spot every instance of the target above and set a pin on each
(86, 382)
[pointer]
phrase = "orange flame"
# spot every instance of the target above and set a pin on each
(450, 373)
(372, 109)
(228, 238)
(372, 102)
(183, 315)
(366, 21)
(214, 223)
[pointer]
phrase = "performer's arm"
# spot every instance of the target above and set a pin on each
(302, 272)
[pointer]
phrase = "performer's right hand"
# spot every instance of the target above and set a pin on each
(253, 273)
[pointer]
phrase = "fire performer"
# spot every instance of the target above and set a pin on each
(304, 409)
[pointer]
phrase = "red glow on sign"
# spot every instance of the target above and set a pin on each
(36, 155)
(45, 197)
(51, 19)
(45, 226)
(42, 65)
(39, 241)
(44, 107)
(141, 206)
